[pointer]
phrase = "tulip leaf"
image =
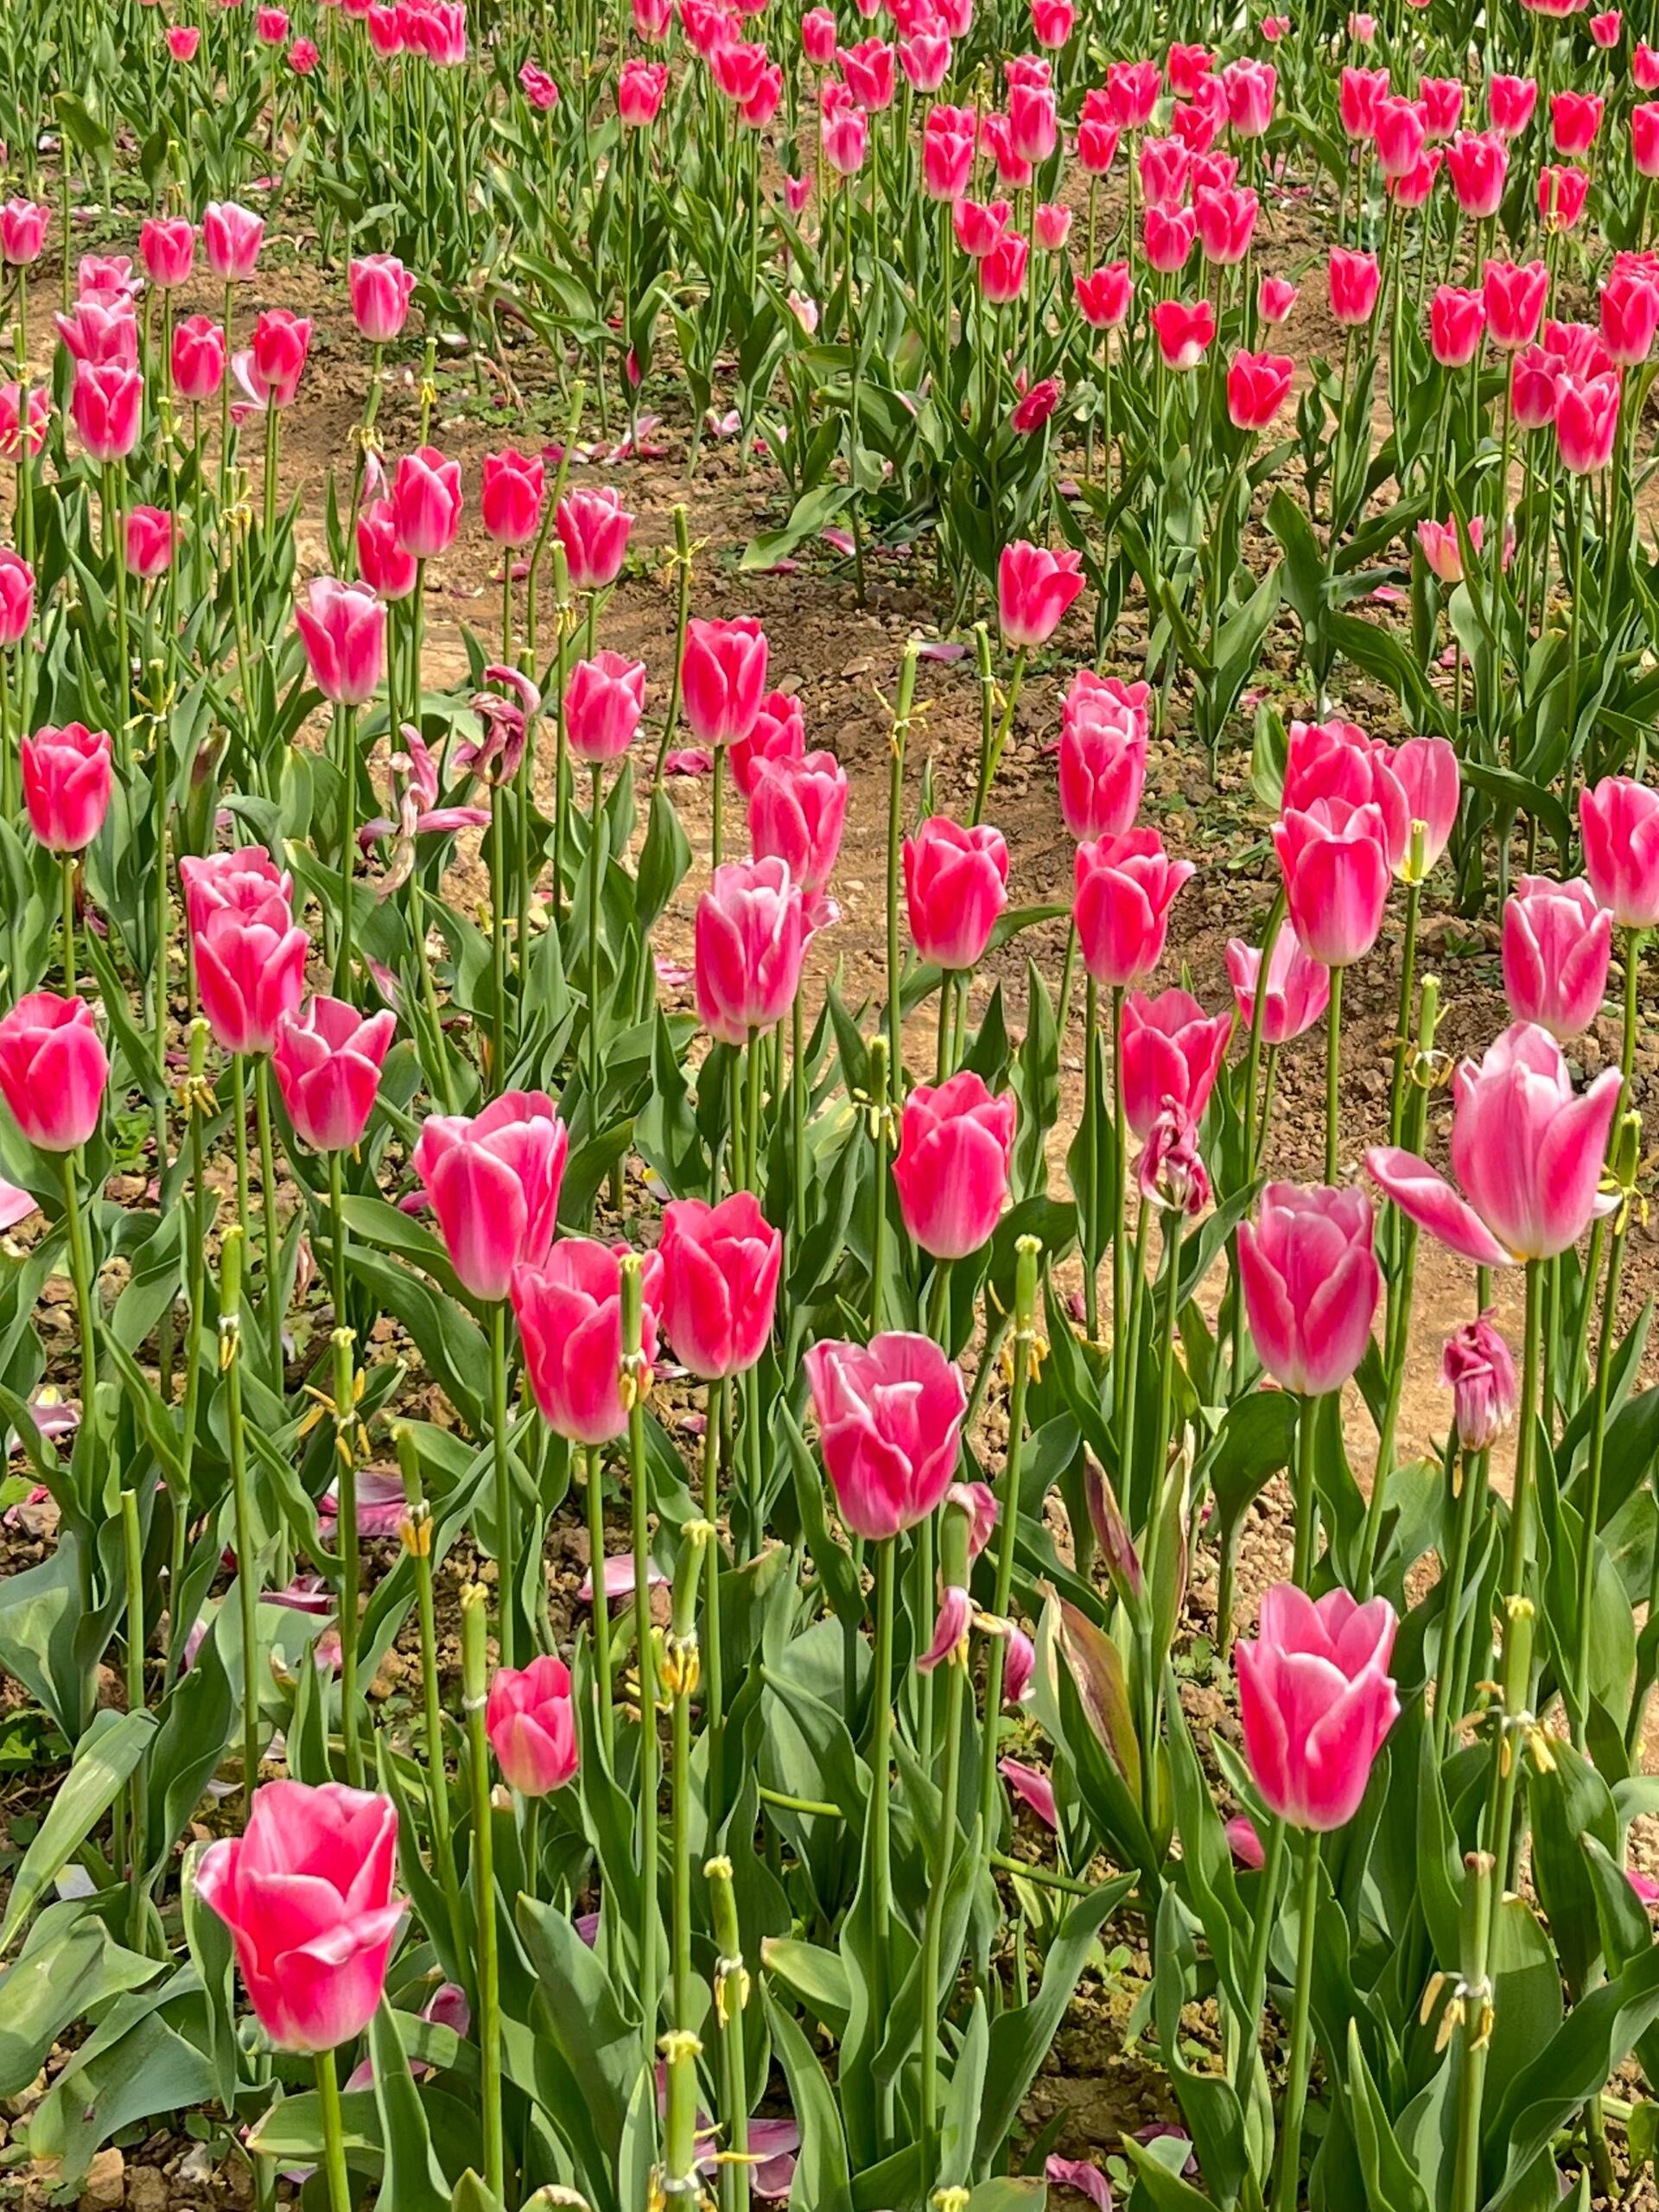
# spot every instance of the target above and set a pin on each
(823, 2178)
(1391, 2182)
(69, 1965)
(413, 2179)
(815, 1978)
(104, 1758)
(579, 2014)
(450, 1343)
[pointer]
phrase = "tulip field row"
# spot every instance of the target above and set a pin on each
(765, 1382)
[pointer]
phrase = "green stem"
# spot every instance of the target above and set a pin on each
(273, 1315)
(602, 1606)
(715, 1699)
(506, 1594)
(1027, 1254)
(66, 870)
(333, 2134)
(650, 1757)
(473, 1632)
(80, 1268)
(1332, 1074)
(1256, 1984)
(1285, 2184)
(1521, 1502)
(231, 1250)
(1307, 1524)
(933, 1930)
(880, 1798)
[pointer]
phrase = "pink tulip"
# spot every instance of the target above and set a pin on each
(779, 734)
(343, 629)
(426, 501)
(1456, 318)
(146, 540)
(381, 289)
(1185, 332)
(889, 1427)
(328, 1065)
(1104, 297)
(1527, 1153)
(1426, 768)
(54, 1069)
(1510, 103)
(721, 1266)
(1355, 280)
(1630, 315)
(1002, 270)
(198, 363)
(1574, 119)
(231, 237)
(1033, 1789)
(510, 496)
(1514, 298)
(103, 330)
(1034, 588)
(603, 701)
(592, 527)
(750, 939)
(182, 40)
(1298, 988)
(1478, 163)
(107, 405)
(16, 597)
(306, 1892)
(1316, 1703)
(1226, 223)
(724, 678)
(568, 1309)
(494, 1180)
(1586, 418)
(167, 244)
(1619, 819)
(1478, 1369)
(1252, 87)
(641, 87)
(66, 784)
(1400, 131)
(1124, 888)
(1276, 298)
(250, 974)
(956, 1149)
(956, 885)
(798, 810)
(1172, 1051)
(1358, 91)
(247, 882)
(1102, 762)
(1167, 237)
(530, 1722)
(1558, 941)
(1311, 1284)
(23, 231)
(1258, 386)
(385, 567)
(1334, 860)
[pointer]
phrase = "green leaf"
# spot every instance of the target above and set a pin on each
(414, 2180)
(823, 2179)
(69, 1965)
(103, 1759)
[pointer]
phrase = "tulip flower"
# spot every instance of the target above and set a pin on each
(1334, 859)
(1355, 279)
(328, 1065)
(1426, 768)
(23, 231)
(798, 810)
(778, 732)
(167, 244)
(381, 289)
(603, 701)
(724, 678)
(386, 568)
(956, 885)
(494, 1182)
(1456, 318)
(1533, 373)
(1103, 761)
(1172, 1052)
(1442, 548)
(147, 535)
(198, 362)
(343, 629)
(890, 1428)
(1002, 269)
(818, 37)
(426, 502)
(530, 1719)
(1630, 315)
(1275, 297)
(16, 597)
(1297, 992)
(306, 1892)
(720, 1266)
(1184, 332)
(1644, 138)
(66, 785)
(1358, 91)
(182, 40)
(1478, 163)
(1619, 820)
(1167, 235)
(593, 527)
(1316, 1703)
(1164, 166)
(1514, 298)
(1442, 99)
(1399, 132)
(249, 974)
(1336, 760)
(1125, 888)
(54, 1069)
(956, 1149)
(569, 1308)
(1525, 1151)
(1586, 419)
(1103, 298)
(750, 937)
(1251, 88)
(107, 405)
(1558, 943)
(1510, 103)
(231, 237)
(510, 498)
(1574, 119)
(1478, 1369)
(1034, 587)
(247, 882)
(947, 164)
(1258, 386)
(1311, 1283)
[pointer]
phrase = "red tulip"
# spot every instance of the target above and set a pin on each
(1532, 388)
(1574, 119)
(1125, 888)
(182, 40)
(1630, 315)
(1514, 300)
(569, 1308)
(530, 1722)
(750, 937)
(343, 629)
(955, 1148)
(1456, 318)
(1357, 94)
(67, 783)
(1133, 87)
(592, 527)
(956, 885)
(494, 1180)
(1002, 269)
(1172, 1052)
(54, 1069)
(889, 1427)
(721, 1266)
(1164, 165)
(1316, 1703)
(1644, 138)
(328, 1065)
(1442, 99)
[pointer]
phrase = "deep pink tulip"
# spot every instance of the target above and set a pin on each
(104, 328)
(1132, 89)
(1456, 318)
(1275, 299)
(426, 501)
(798, 810)
(1167, 237)
(385, 567)
(593, 527)
(1002, 269)
(245, 883)
(494, 1180)
(1563, 192)
(603, 701)
(1587, 419)
(1184, 331)
(721, 1266)
(510, 496)
(956, 885)
(1252, 87)
(1311, 1283)
(147, 542)
(531, 1721)
(304, 56)
(329, 1064)
(1513, 295)
(381, 289)
(1527, 1153)
(1558, 941)
(343, 629)
(569, 1314)
(231, 237)
(1258, 386)
(1358, 91)
(956, 1149)
(66, 784)
(1316, 1703)
(723, 678)
(1533, 373)
(1478, 162)
(1334, 859)
(306, 1892)
(1619, 820)
(198, 363)
(168, 245)
(1124, 888)
(1510, 103)
(819, 36)
(249, 974)
(1478, 1369)
(1226, 215)
(1104, 297)
(641, 87)
(16, 597)
(54, 1069)
(1355, 279)
(1574, 119)
(107, 406)
(1426, 768)
(23, 231)
(1298, 989)
(1102, 759)
(1172, 1051)
(779, 734)
(1034, 587)
(1164, 166)
(947, 164)
(750, 936)
(889, 1427)
(182, 40)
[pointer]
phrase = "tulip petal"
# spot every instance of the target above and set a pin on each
(1427, 1199)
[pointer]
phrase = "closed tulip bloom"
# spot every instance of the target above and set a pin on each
(1184, 332)
(1258, 386)
(593, 527)
(198, 362)
(1442, 548)
(1619, 820)
(721, 1266)
(182, 40)
(385, 567)
(1336, 760)
(956, 885)
(303, 56)
(426, 500)
(641, 87)
(16, 597)
(147, 537)
(1442, 99)
(1125, 888)
(889, 1427)
(1334, 859)
(530, 1719)
(54, 1069)
(1002, 269)
(1399, 133)
(978, 225)
(1104, 297)
(306, 1892)
(1033, 121)
(1478, 163)
(1514, 300)
(1358, 91)
(603, 701)
(798, 810)
(1132, 87)
(750, 937)
(250, 974)
(867, 71)
(23, 231)
(1097, 145)
(569, 1308)
(1052, 226)
(1426, 769)
(724, 678)
(1456, 317)
(381, 289)
(1226, 223)
(818, 37)
(1478, 1369)
(1052, 23)
(1644, 138)
(956, 1147)
(1034, 587)
(1166, 238)
(276, 356)
(231, 237)
(168, 245)
(1103, 765)
(1316, 1703)
(1644, 67)
(844, 135)
(1298, 989)
(494, 1182)
(778, 732)
(1532, 388)
(1510, 103)
(343, 629)
(1630, 315)
(107, 406)
(247, 882)
(1311, 1282)
(1574, 119)
(1164, 165)
(1355, 278)
(1274, 299)
(328, 1065)
(104, 328)
(12, 434)
(947, 164)
(1558, 941)
(1252, 87)
(510, 496)
(271, 26)
(1173, 1052)
(1586, 419)
(1527, 1153)
(67, 782)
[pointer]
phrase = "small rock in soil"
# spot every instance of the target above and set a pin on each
(105, 2186)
